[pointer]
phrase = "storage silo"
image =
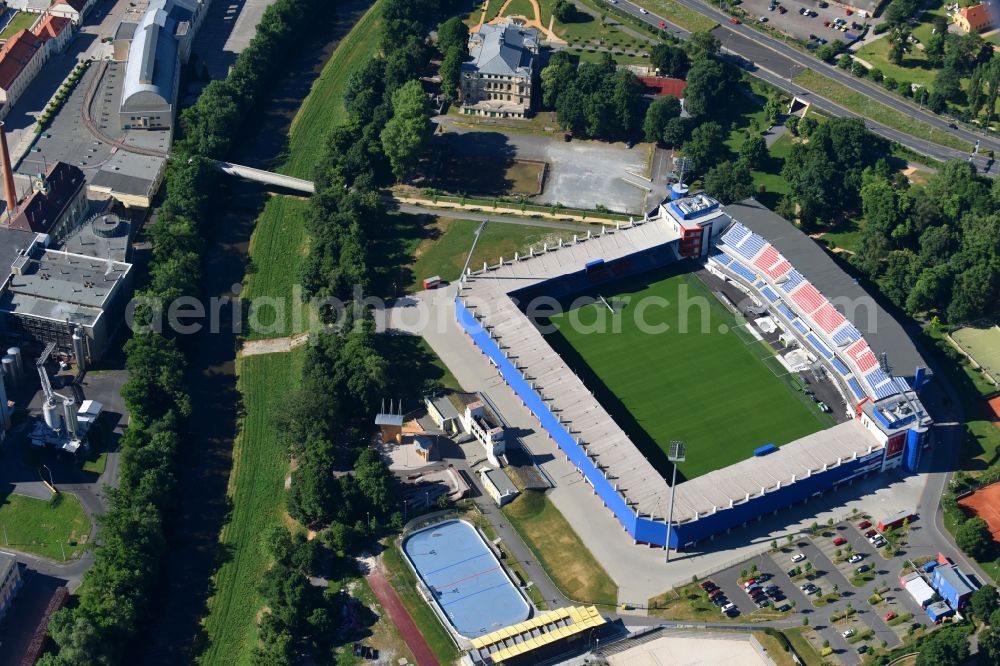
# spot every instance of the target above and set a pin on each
(69, 413)
(10, 372)
(4, 413)
(18, 361)
(80, 350)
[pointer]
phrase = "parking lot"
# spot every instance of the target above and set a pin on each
(800, 26)
(866, 623)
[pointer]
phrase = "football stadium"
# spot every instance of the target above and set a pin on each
(723, 327)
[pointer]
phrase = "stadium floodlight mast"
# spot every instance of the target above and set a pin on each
(675, 454)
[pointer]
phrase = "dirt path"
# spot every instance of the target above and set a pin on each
(400, 617)
(274, 345)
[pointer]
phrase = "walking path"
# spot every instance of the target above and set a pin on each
(400, 617)
(274, 345)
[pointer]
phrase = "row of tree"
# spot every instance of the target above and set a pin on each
(933, 248)
(116, 590)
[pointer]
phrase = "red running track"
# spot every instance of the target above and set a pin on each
(401, 618)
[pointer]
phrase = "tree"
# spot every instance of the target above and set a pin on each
(670, 60)
(773, 110)
(703, 44)
(451, 34)
(984, 601)
(406, 135)
(989, 645)
(706, 146)
(659, 113)
(675, 132)
(934, 50)
(899, 10)
(973, 536)
(451, 72)
(899, 44)
(710, 85)
(947, 83)
(808, 566)
(754, 151)
(729, 181)
(564, 11)
(557, 76)
(807, 126)
(945, 647)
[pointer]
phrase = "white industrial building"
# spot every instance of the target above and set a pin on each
(918, 588)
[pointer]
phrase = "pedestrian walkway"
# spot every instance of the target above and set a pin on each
(401, 619)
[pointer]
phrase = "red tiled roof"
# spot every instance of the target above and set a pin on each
(977, 15)
(50, 27)
(15, 55)
(75, 4)
(658, 86)
(38, 212)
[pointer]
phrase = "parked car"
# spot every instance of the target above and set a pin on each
(810, 589)
(857, 557)
(848, 633)
(782, 10)
(728, 607)
(716, 593)
(785, 607)
(792, 573)
(891, 615)
(879, 542)
(764, 577)
(706, 585)
(860, 570)
(864, 524)
(748, 582)
(862, 649)
(839, 541)
(798, 557)
(870, 533)
(762, 19)
(770, 588)
(762, 602)
(721, 601)
(826, 24)
(734, 20)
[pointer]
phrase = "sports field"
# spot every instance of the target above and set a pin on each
(708, 387)
(983, 345)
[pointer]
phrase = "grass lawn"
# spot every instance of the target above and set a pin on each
(21, 21)
(96, 464)
(324, 107)
(403, 580)
(846, 237)
(666, 385)
(680, 15)
(559, 550)
(481, 175)
(257, 492)
(915, 68)
(447, 243)
(775, 649)
(423, 371)
(277, 248)
(807, 653)
(52, 528)
(983, 345)
(873, 110)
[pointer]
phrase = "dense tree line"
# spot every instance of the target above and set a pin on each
(453, 42)
(593, 100)
(936, 247)
(113, 600)
(824, 175)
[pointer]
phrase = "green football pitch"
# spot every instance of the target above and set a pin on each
(708, 383)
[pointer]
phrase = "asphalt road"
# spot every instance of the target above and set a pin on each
(776, 63)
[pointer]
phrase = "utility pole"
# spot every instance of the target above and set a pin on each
(675, 454)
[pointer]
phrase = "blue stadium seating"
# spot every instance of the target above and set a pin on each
(856, 388)
(819, 346)
(743, 271)
(839, 365)
(800, 327)
(794, 279)
(751, 246)
(787, 311)
(885, 390)
(722, 258)
(846, 335)
(736, 233)
(759, 284)
(769, 294)
(876, 377)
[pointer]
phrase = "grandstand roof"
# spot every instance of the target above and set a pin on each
(881, 330)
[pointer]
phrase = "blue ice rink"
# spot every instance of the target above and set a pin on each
(466, 579)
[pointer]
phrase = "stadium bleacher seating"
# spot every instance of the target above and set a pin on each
(752, 245)
(800, 327)
(769, 257)
(735, 234)
(828, 318)
(882, 384)
(856, 388)
(743, 271)
(846, 335)
(819, 346)
(808, 298)
(794, 279)
(769, 294)
(787, 311)
(759, 284)
(777, 271)
(867, 361)
(841, 368)
(722, 258)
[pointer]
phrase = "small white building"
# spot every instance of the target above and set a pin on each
(74, 10)
(498, 485)
(918, 588)
(483, 424)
